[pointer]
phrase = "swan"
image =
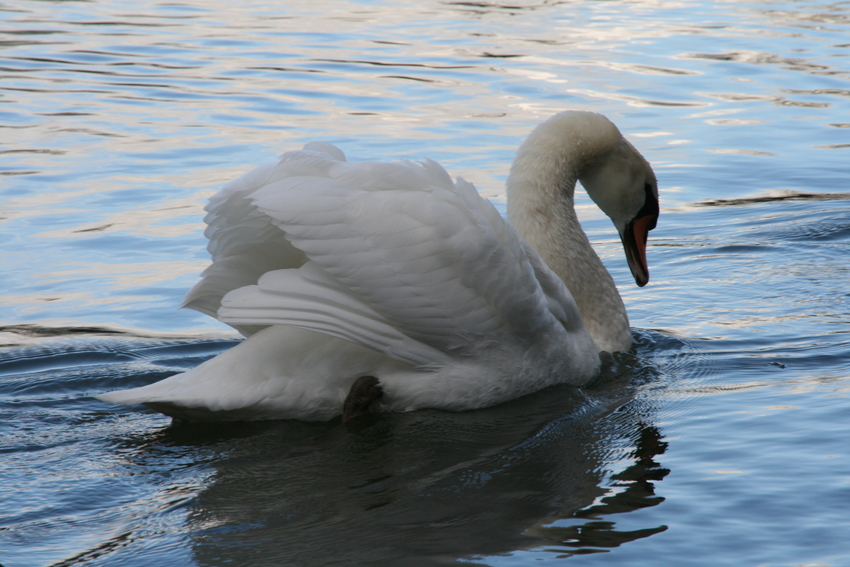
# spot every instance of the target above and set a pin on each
(388, 287)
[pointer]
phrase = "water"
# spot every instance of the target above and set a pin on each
(721, 440)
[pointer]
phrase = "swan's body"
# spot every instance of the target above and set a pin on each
(336, 271)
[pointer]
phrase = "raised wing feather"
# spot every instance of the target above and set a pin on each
(392, 256)
(434, 259)
(311, 299)
(243, 241)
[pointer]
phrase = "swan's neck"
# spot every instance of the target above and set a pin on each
(540, 192)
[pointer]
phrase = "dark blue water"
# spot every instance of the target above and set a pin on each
(720, 440)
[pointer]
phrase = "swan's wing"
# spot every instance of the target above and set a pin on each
(244, 242)
(431, 259)
(309, 298)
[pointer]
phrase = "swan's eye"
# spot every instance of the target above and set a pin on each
(650, 204)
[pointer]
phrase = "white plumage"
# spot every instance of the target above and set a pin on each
(335, 271)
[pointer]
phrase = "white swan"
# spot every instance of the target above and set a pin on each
(387, 286)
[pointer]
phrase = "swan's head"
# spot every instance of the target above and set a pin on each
(584, 146)
(621, 182)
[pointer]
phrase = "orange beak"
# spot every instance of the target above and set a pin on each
(634, 243)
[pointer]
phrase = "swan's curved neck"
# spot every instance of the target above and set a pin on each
(540, 191)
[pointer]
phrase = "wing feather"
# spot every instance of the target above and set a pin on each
(392, 256)
(309, 298)
(379, 228)
(244, 243)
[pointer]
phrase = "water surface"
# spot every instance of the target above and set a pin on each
(720, 440)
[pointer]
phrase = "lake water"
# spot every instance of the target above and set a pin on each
(721, 440)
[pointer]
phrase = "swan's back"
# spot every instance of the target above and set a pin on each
(392, 256)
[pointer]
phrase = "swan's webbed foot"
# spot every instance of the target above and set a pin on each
(362, 394)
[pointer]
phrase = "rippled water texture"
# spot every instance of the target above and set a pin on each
(721, 440)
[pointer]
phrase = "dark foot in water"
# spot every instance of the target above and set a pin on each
(364, 391)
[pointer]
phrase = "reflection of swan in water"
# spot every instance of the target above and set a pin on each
(388, 285)
(426, 487)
